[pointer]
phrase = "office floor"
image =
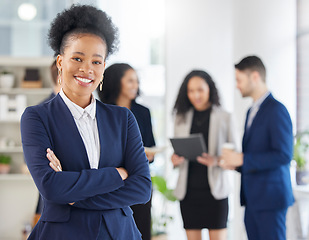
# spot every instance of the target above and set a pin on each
(175, 229)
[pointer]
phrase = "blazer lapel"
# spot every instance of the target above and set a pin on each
(112, 138)
(183, 125)
(246, 131)
(259, 114)
(213, 136)
(189, 119)
(100, 122)
(68, 127)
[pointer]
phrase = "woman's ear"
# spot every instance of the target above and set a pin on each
(104, 67)
(59, 61)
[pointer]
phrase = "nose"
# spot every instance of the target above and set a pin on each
(196, 96)
(135, 85)
(86, 68)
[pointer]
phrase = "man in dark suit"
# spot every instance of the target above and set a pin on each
(267, 151)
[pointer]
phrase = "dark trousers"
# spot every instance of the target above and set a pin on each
(266, 224)
(142, 217)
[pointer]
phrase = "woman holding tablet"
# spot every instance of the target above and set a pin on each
(203, 186)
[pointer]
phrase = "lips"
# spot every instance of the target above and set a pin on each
(83, 81)
(198, 101)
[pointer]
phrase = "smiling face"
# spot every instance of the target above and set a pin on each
(198, 93)
(82, 65)
(129, 85)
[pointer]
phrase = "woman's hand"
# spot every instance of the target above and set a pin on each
(123, 173)
(207, 160)
(54, 161)
(177, 160)
(150, 156)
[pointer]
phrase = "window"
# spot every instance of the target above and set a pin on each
(27, 38)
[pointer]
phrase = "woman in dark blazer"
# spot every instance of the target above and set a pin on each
(86, 158)
(121, 87)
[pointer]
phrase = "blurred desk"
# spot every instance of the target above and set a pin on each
(298, 214)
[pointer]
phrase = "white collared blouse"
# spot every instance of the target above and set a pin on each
(86, 122)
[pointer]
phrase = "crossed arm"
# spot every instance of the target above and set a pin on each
(97, 189)
(56, 166)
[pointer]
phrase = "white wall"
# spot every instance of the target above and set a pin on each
(199, 35)
(268, 29)
(214, 35)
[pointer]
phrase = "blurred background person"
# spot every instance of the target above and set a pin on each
(267, 150)
(121, 87)
(56, 84)
(56, 88)
(203, 186)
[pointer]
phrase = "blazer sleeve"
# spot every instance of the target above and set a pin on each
(137, 187)
(148, 138)
(280, 143)
(60, 187)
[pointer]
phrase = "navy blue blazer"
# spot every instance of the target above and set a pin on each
(101, 197)
(39, 207)
(268, 149)
(143, 118)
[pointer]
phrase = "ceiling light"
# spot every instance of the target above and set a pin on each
(27, 11)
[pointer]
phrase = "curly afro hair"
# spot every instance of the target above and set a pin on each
(82, 19)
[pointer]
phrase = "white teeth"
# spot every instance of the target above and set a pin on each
(85, 80)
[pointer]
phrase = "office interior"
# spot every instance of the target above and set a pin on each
(163, 40)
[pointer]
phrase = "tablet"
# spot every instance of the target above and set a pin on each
(189, 147)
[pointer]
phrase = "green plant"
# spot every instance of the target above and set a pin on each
(160, 184)
(4, 159)
(301, 147)
(5, 72)
(160, 219)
